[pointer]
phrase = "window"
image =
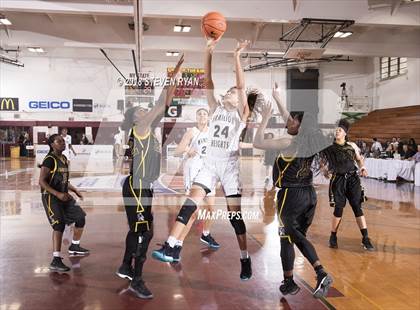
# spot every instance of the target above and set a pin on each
(392, 67)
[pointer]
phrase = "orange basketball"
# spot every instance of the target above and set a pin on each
(213, 25)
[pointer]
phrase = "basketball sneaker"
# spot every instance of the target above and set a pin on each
(125, 272)
(138, 287)
(76, 249)
(367, 245)
(164, 254)
(246, 270)
(333, 241)
(209, 240)
(323, 283)
(58, 265)
(288, 286)
(177, 253)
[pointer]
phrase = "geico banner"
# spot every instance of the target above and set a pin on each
(51, 105)
(85, 153)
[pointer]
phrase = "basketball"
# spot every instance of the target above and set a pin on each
(213, 25)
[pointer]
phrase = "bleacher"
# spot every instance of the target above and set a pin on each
(384, 124)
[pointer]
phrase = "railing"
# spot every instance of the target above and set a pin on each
(362, 104)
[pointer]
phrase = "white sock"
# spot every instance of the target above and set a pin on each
(171, 241)
(244, 254)
(206, 232)
(179, 242)
(76, 242)
(57, 254)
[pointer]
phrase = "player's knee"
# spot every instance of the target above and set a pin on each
(60, 226)
(187, 210)
(238, 225)
(338, 212)
(81, 222)
(357, 210)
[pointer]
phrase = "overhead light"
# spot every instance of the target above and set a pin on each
(182, 28)
(172, 53)
(36, 49)
(5, 21)
(342, 34)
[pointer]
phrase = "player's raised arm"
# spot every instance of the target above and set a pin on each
(208, 80)
(268, 144)
(280, 104)
(164, 100)
(240, 78)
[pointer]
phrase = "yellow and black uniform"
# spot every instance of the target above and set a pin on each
(59, 212)
(138, 195)
(345, 181)
(296, 203)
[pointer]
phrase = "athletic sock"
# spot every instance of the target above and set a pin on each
(179, 243)
(57, 254)
(206, 232)
(364, 232)
(244, 254)
(171, 241)
(75, 241)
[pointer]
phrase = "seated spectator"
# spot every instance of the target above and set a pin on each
(412, 144)
(364, 150)
(391, 150)
(84, 140)
(406, 153)
(376, 148)
(416, 156)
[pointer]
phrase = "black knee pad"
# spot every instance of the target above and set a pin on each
(234, 196)
(338, 212)
(59, 227)
(238, 224)
(80, 223)
(187, 210)
(357, 210)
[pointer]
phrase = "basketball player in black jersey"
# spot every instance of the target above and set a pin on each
(342, 157)
(137, 189)
(59, 205)
(296, 197)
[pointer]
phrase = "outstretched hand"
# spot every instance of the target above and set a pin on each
(276, 91)
(211, 44)
(241, 46)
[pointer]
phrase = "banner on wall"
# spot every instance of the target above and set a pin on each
(49, 105)
(9, 104)
(82, 105)
(190, 89)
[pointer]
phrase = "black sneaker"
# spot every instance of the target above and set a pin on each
(246, 270)
(288, 286)
(176, 255)
(164, 254)
(333, 241)
(58, 265)
(76, 249)
(125, 272)
(209, 241)
(139, 289)
(323, 283)
(367, 245)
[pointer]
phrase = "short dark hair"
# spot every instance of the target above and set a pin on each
(374, 139)
(297, 115)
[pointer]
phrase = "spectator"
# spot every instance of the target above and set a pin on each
(406, 153)
(84, 140)
(376, 148)
(364, 149)
(118, 143)
(67, 140)
(416, 156)
(412, 144)
(391, 150)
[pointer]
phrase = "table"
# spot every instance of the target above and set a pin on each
(390, 169)
(417, 175)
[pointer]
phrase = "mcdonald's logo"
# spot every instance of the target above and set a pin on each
(9, 104)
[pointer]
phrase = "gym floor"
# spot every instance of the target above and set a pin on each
(207, 279)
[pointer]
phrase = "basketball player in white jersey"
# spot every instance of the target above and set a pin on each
(69, 146)
(228, 119)
(193, 147)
